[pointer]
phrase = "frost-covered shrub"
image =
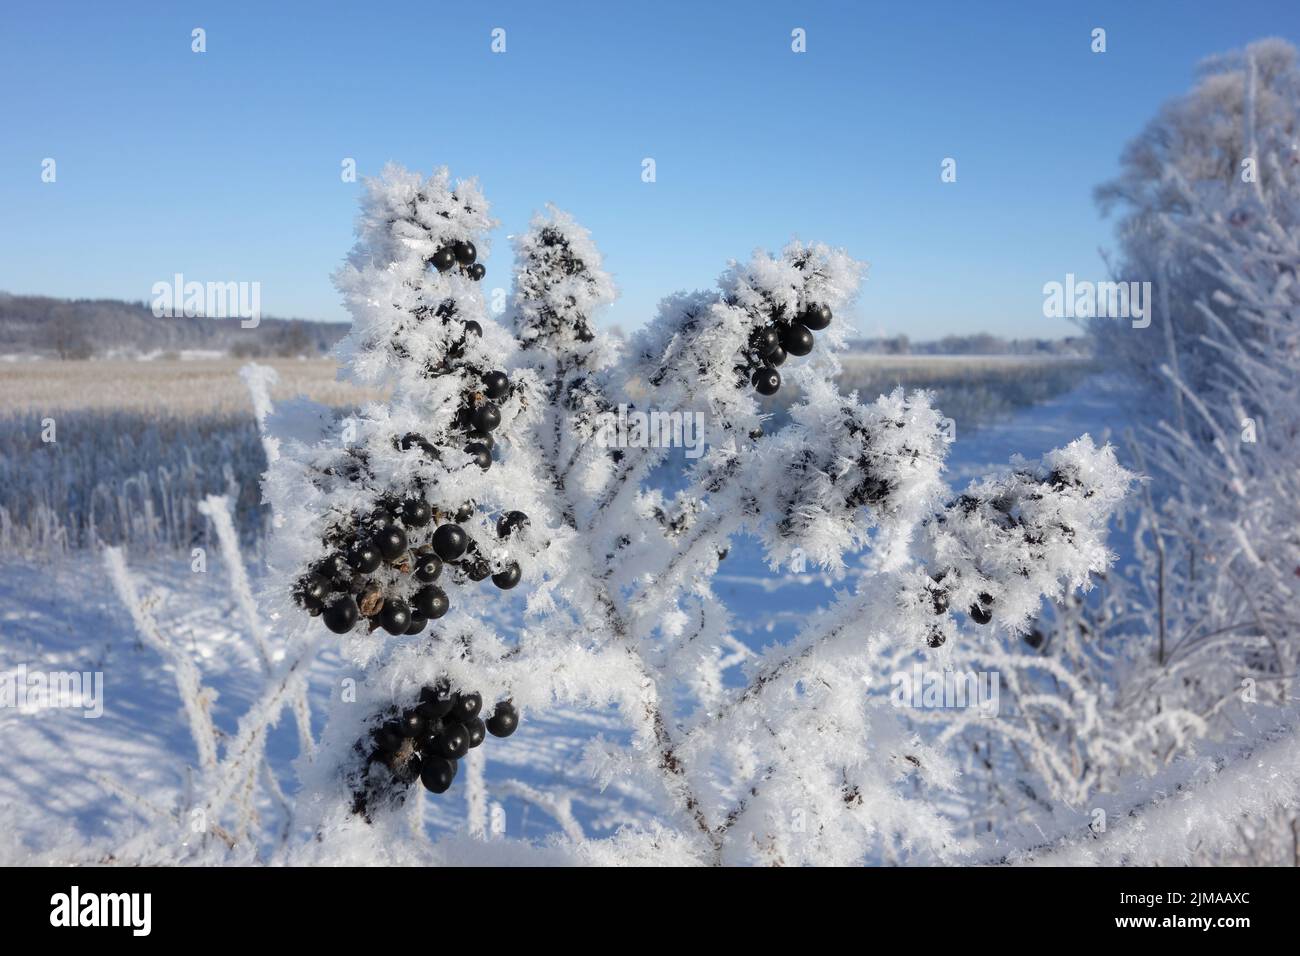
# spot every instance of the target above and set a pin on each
(791, 760)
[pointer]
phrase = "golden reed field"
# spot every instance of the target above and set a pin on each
(184, 387)
(162, 386)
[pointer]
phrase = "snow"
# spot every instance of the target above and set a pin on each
(67, 776)
(75, 783)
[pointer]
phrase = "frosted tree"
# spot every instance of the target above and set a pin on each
(609, 484)
(1234, 134)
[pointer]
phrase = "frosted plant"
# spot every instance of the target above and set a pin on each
(188, 830)
(1200, 639)
(609, 484)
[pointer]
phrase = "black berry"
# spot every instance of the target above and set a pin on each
(507, 577)
(767, 341)
(509, 522)
(777, 356)
(473, 328)
(477, 271)
(477, 731)
(767, 380)
(388, 738)
(496, 385)
(481, 454)
(797, 340)
(815, 317)
(431, 601)
(485, 418)
(450, 542)
(365, 557)
(443, 259)
(404, 768)
(437, 773)
(413, 723)
(427, 567)
(418, 622)
(341, 615)
(467, 707)
(465, 253)
(419, 441)
(391, 542)
(504, 720)
(312, 591)
(395, 618)
(437, 702)
(334, 568)
(452, 743)
(416, 513)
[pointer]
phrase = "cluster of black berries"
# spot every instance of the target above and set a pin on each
(369, 574)
(479, 416)
(769, 345)
(460, 254)
(386, 567)
(980, 612)
(428, 740)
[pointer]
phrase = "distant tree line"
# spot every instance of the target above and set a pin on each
(103, 328)
(980, 343)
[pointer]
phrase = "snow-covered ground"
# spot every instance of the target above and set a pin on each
(70, 779)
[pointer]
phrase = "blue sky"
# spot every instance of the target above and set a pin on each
(225, 165)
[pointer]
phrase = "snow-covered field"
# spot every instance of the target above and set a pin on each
(72, 780)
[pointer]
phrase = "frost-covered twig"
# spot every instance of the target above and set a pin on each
(476, 803)
(217, 509)
(1189, 811)
(195, 698)
(558, 805)
(260, 379)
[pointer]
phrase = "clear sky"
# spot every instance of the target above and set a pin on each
(225, 165)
